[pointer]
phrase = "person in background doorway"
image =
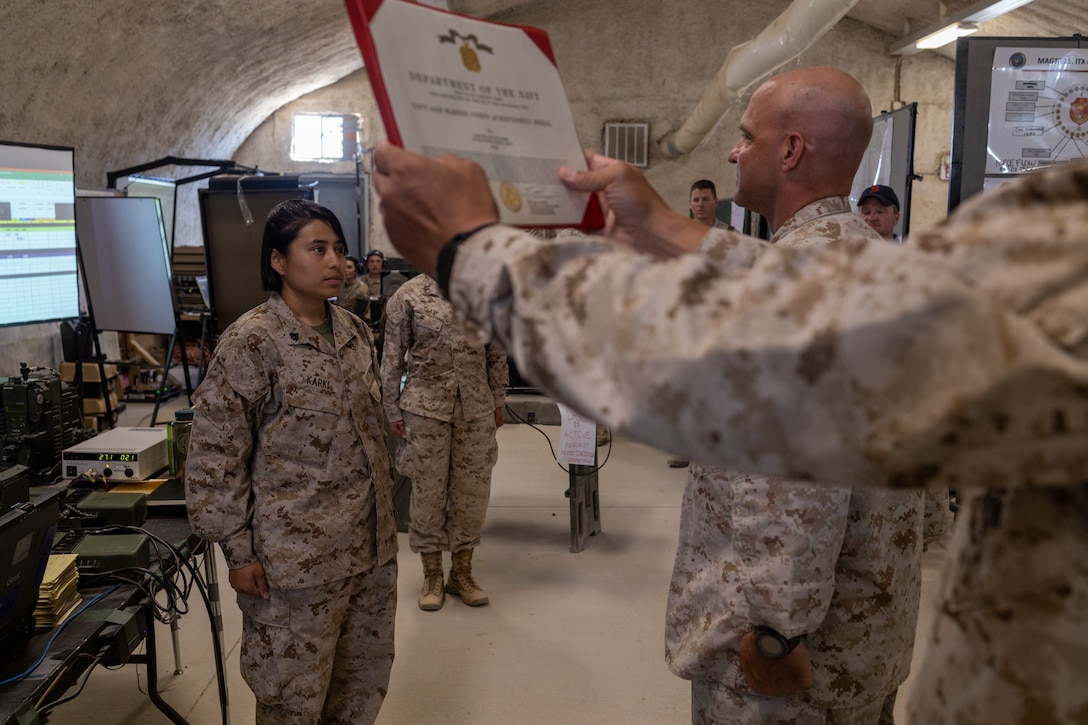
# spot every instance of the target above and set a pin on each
(288, 472)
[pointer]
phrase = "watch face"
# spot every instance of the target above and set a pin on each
(771, 645)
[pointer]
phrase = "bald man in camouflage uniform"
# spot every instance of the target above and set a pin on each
(288, 472)
(447, 415)
(835, 570)
(959, 359)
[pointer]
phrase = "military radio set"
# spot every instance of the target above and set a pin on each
(41, 418)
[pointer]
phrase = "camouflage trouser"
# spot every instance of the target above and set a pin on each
(321, 654)
(450, 467)
(715, 704)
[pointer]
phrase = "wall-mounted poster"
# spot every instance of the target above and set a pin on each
(1038, 108)
(1020, 104)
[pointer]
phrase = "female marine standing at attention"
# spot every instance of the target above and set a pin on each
(288, 472)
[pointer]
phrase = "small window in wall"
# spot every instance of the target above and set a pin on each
(325, 136)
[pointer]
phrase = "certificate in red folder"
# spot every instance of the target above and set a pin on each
(488, 92)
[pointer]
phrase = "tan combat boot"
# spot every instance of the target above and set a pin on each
(431, 596)
(461, 582)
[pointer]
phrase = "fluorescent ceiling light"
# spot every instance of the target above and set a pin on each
(978, 12)
(994, 10)
(946, 35)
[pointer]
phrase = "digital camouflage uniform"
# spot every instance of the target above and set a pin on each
(288, 466)
(838, 564)
(958, 359)
(351, 293)
(370, 292)
(448, 406)
(371, 287)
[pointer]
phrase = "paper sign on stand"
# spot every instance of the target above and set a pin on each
(577, 439)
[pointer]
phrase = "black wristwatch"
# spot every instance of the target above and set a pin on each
(773, 645)
(443, 269)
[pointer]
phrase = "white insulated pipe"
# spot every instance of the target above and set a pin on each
(790, 34)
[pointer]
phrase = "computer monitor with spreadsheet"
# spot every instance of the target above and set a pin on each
(37, 234)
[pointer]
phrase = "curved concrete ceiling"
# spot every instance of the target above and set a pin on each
(127, 81)
(130, 81)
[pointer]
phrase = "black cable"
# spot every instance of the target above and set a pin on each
(176, 592)
(189, 577)
(551, 448)
(220, 665)
(177, 604)
(71, 618)
(87, 675)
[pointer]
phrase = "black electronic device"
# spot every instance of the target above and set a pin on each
(26, 539)
(99, 553)
(233, 211)
(40, 419)
(14, 486)
(116, 508)
(65, 541)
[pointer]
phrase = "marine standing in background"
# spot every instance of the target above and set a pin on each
(878, 206)
(703, 202)
(372, 280)
(288, 472)
(352, 290)
(374, 296)
(447, 414)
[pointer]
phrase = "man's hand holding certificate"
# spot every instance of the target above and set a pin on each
(488, 93)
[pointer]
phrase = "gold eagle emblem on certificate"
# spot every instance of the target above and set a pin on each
(510, 196)
(469, 45)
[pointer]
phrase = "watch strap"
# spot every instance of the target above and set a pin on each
(448, 255)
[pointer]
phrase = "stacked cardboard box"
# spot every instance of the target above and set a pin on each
(94, 392)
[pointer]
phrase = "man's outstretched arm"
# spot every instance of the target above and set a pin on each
(865, 362)
(427, 202)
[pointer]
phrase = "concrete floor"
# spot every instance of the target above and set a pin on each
(568, 637)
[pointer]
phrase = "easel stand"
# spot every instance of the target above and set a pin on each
(176, 340)
(100, 360)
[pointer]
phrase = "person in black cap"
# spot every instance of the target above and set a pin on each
(879, 207)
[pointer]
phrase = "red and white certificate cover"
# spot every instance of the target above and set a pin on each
(488, 92)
